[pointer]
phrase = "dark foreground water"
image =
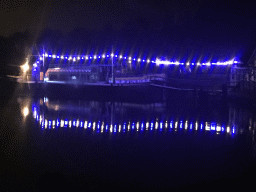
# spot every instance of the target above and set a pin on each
(91, 145)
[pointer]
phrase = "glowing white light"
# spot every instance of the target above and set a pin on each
(176, 63)
(69, 58)
(69, 124)
(147, 125)
(61, 123)
(85, 124)
(41, 58)
(148, 61)
(139, 60)
(130, 58)
(46, 55)
(158, 62)
(207, 127)
(120, 56)
(230, 62)
(25, 111)
(95, 57)
(198, 64)
(62, 57)
(112, 55)
(74, 59)
(58, 56)
(25, 67)
(103, 56)
(208, 64)
(143, 60)
(53, 56)
(134, 59)
(218, 128)
(99, 57)
(86, 57)
(235, 61)
(78, 58)
(187, 63)
(115, 55)
(35, 65)
(228, 129)
(156, 125)
(124, 57)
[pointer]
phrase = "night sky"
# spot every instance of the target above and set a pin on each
(221, 22)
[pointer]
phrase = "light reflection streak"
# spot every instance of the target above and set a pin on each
(209, 126)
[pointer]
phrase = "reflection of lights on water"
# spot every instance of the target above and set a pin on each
(186, 124)
(25, 111)
(156, 125)
(180, 124)
(137, 125)
(102, 126)
(61, 123)
(207, 127)
(50, 124)
(213, 126)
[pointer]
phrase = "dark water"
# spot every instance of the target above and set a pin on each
(91, 145)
